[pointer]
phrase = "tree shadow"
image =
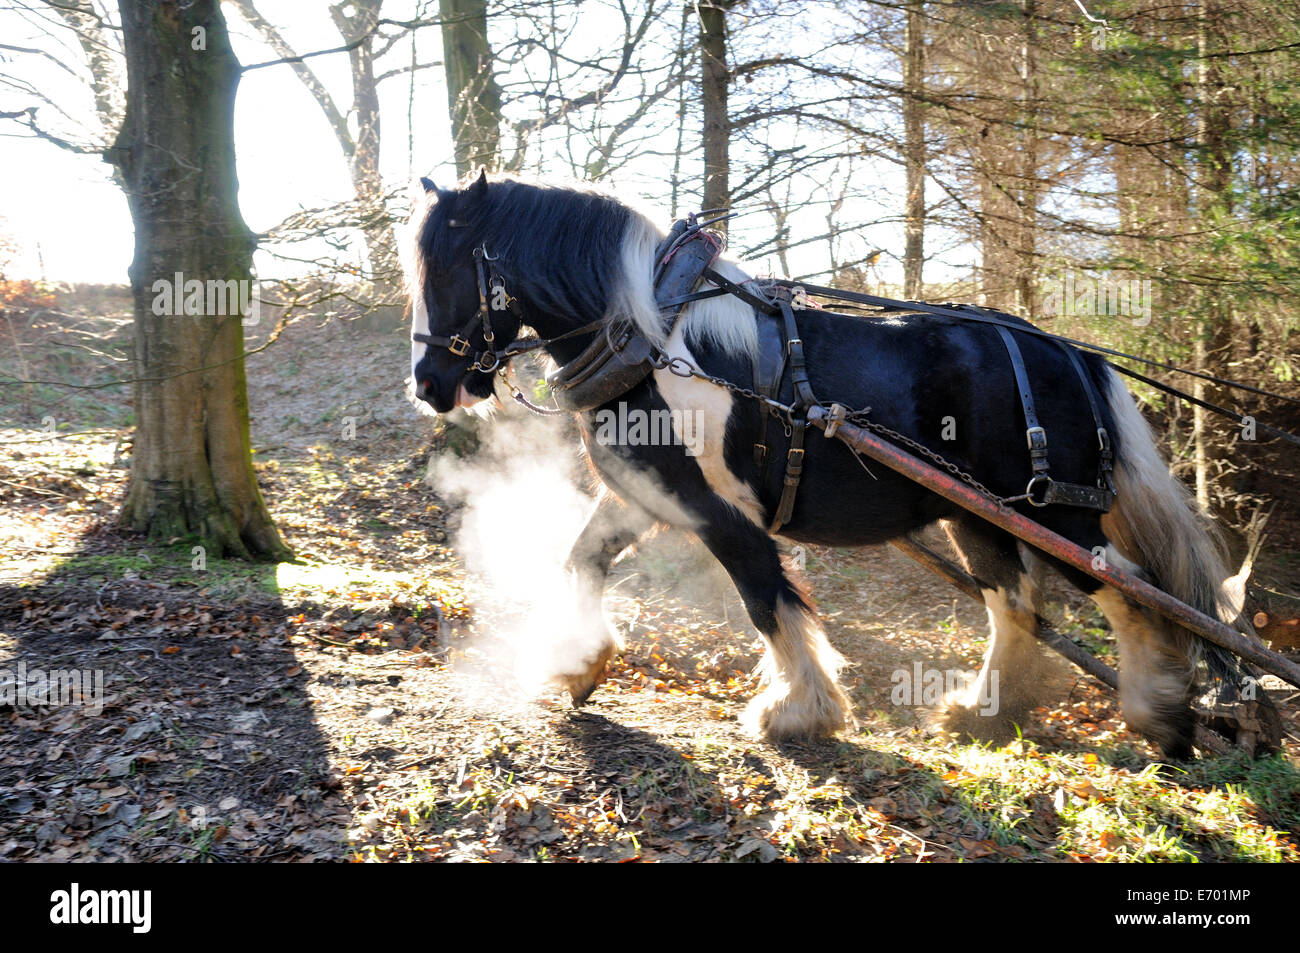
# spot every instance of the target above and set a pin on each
(175, 723)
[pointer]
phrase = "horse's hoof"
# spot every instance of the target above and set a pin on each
(780, 718)
(970, 725)
(578, 696)
(581, 685)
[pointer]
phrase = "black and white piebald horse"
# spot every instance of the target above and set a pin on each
(573, 257)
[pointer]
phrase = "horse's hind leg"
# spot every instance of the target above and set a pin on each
(612, 527)
(1015, 672)
(1157, 668)
(800, 695)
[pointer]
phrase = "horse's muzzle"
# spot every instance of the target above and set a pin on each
(427, 391)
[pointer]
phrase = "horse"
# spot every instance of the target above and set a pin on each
(569, 260)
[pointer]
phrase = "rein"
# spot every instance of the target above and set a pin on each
(970, 313)
(620, 354)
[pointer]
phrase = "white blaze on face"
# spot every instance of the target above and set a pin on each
(412, 267)
(419, 325)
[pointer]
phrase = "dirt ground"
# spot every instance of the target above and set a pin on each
(362, 704)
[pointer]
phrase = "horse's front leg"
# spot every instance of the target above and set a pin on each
(800, 695)
(612, 527)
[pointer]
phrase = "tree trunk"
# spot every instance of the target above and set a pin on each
(473, 96)
(104, 64)
(997, 224)
(363, 163)
(914, 151)
(1027, 185)
(715, 78)
(685, 52)
(362, 152)
(191, 467)
(1214, 332)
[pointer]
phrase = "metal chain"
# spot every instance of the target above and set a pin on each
(859, 418)
(683, 368)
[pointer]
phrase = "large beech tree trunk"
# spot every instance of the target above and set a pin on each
(191, 468)
(473, 96)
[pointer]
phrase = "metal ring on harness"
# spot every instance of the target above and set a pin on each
(1029, 489)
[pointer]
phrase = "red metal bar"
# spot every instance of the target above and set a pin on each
(1204, 738)
(1056, 545)
(946, 569)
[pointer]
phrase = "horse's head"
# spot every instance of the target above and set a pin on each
(461, 314)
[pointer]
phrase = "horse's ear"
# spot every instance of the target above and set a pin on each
(428, 185)
(478, 191)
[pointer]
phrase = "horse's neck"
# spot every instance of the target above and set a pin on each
(551, 326)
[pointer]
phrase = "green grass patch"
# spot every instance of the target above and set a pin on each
(1102, 806)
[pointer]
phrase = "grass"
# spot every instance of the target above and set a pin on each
(229, 578)
(1095, 805)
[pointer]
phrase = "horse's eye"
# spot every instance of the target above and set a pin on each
(456, 223)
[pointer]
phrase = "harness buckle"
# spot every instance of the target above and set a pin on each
(458, 345)
(838, 415)
(1037, 439)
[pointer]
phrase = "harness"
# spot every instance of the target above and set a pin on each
(780, 353)
(491, 287)
(620, 357)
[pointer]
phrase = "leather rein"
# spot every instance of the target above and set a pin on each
(619, 357)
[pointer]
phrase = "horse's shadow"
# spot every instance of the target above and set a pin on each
(691, 808)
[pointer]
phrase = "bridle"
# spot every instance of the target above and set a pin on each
(491, 289)
(490, 283)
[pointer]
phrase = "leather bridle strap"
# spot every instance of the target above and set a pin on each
(1106, 463)
(458, 343)
(798, 418)
(726, 285)
(1034, 432)
(1042, 489)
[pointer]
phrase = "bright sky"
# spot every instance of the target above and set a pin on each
(71, 222)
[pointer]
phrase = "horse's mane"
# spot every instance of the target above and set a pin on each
(561, 245)
(572, 250)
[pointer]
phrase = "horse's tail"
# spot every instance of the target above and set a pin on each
(1155, 523)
